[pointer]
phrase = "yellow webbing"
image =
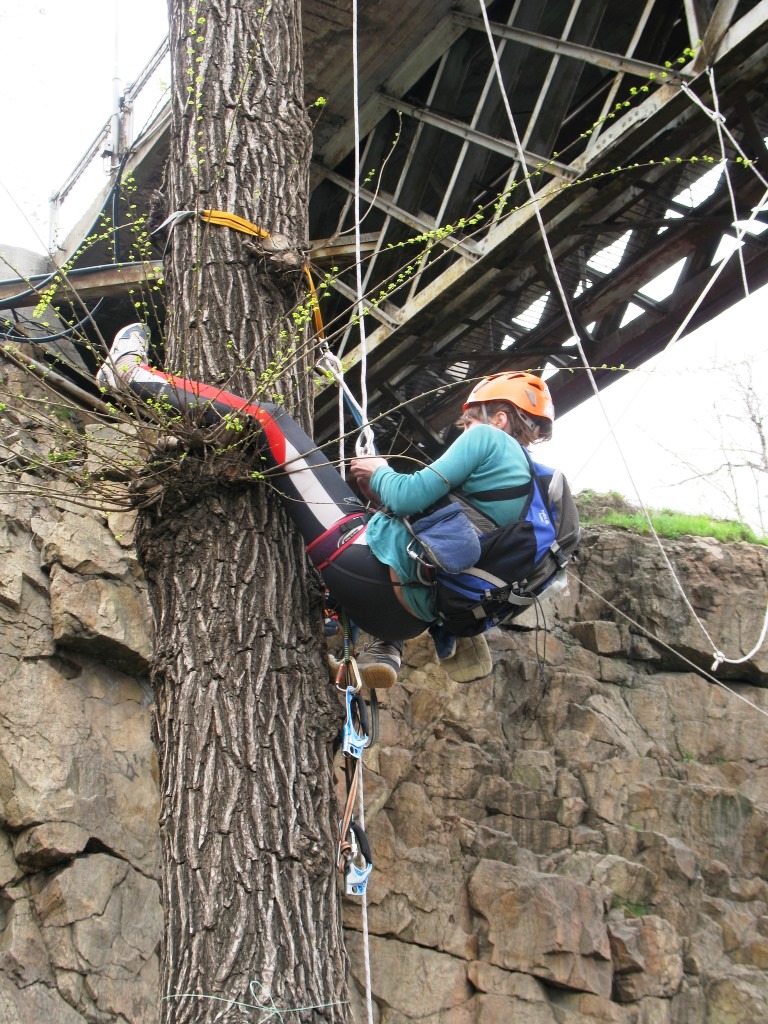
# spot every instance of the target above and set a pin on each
(231, 220)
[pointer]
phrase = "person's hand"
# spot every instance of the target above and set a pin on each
(362, 470)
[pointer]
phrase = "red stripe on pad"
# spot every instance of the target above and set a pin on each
(208, 393)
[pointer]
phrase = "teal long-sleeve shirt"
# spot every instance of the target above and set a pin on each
(482, 459)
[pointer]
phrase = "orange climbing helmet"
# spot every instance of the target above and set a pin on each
(525, 391)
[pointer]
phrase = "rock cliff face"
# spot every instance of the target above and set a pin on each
(581, 836)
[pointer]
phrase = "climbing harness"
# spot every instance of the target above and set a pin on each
(516, 564)
(330, 544)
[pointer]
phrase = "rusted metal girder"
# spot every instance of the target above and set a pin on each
(566, 48)
(117, 279)
(443, 311)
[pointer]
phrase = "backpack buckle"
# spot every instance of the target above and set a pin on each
(559, 556)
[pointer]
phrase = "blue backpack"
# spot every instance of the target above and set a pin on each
(517, 562)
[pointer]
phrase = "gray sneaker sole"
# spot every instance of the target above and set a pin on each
(378, 676)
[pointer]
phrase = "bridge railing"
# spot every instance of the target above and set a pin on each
(140, 111)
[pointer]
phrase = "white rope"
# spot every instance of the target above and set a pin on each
(719, 658)
(328, 362)
(331, 364)
(652, 636)
(365, 444)
(535, 202)
(716, 116)
(718, 121)
(342, 446)
(364, 904)
(721, 127)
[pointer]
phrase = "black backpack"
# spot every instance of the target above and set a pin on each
(517, 562)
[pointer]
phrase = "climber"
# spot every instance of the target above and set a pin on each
(362, 556)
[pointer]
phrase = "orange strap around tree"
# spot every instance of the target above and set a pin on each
(246, 227)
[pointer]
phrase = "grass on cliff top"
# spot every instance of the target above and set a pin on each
(613, 510)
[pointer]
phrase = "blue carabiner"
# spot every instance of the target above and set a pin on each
(353, 743)
(356, 879)
(356, 875)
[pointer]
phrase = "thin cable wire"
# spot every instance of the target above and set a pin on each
(715, 115)
(571, 323)
(718, 120)
(666, 646)
(534, 199)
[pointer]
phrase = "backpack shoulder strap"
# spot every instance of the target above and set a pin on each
(481, 520)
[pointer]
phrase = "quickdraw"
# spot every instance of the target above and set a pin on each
(358, 733)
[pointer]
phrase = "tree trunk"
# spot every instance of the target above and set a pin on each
(244, 712)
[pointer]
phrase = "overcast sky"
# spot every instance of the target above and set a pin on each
(680, 408)
(56, 87)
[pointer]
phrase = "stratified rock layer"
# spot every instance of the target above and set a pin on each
(581, 836)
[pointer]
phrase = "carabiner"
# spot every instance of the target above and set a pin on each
(353, 743)
(348, 667)
(358, 865)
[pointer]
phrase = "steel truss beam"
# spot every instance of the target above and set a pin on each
(419, 222)
(496, 145)
(439, 309)
(565, 48)
(444, 319)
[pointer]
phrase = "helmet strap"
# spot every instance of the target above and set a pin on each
(530, 425)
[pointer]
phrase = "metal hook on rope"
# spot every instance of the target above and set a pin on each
(365, 443)
(354, 741)
(353, 858)
(359, 864)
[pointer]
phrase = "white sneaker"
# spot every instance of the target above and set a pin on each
(127, 351)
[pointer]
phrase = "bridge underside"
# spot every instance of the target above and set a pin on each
(600, 118)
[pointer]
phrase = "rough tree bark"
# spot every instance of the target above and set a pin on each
(243, 709)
